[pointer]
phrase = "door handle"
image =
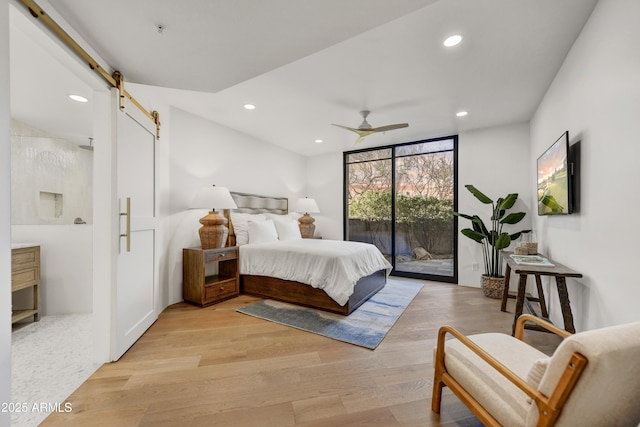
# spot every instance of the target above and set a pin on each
(128, 232)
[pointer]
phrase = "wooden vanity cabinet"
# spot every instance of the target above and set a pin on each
(25, 273)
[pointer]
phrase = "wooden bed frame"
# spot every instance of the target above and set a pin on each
(287, 290)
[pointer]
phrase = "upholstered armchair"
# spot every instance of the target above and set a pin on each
(592, 379)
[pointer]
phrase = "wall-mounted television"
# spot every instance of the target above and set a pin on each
(554, 179)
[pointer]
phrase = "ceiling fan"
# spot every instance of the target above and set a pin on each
(365, 129)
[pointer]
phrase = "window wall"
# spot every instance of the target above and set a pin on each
(401, 198)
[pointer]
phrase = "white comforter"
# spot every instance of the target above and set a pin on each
(331, 265)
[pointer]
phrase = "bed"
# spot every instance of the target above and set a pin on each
(364, 277)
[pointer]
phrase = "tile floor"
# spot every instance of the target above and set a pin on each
(49, 360)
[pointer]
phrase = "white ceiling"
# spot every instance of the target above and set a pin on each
(307, 64)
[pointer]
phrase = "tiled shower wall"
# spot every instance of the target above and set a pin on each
(51, 185)
(51, 178)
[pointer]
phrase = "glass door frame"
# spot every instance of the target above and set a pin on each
(393, 147)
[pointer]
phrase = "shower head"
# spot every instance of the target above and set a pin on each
(88, 147)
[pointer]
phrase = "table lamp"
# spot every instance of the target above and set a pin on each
(214, 232)
(306, 221)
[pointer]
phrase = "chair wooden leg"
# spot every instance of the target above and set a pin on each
(436, 398)
(439, 371)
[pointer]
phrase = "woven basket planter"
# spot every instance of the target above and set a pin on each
(492, 286)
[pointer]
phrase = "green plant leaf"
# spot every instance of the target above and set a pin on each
(478, 225)
(496, 239)
(513, 218)
(469, 217)
(478, 194)
(473, 235)
(503, 241)
(508, 201)
(515, 236)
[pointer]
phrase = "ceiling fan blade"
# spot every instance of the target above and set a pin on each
(346, 127)
(390, 127)
(363, 133)
(365, 129)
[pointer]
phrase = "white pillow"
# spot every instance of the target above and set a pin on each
(273, 216)
(537, 370)
(291, 216)
(288, 230)
(262, 231)
(240, 223)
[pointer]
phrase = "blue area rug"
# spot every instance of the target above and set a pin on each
(366, 326)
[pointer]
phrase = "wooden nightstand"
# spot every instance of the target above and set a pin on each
(199, 286)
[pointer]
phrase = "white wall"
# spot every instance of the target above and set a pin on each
(205, 153)
(325, 183)
(5, 216)
(66, 261)
(596, 97)
(495, 161)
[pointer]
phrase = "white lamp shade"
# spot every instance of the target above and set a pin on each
(307, 205)
(212, 198)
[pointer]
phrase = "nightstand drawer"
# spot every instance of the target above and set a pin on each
(220, 290)
(220, 255)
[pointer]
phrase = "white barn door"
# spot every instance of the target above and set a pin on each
(136, 291)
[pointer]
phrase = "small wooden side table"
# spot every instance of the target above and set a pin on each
(201, 289)
(559, 271)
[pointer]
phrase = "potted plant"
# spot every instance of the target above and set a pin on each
(493, 239)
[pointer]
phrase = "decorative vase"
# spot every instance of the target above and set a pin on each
(492, 286)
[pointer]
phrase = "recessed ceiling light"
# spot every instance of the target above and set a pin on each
(461, 113)
(453, 40)
(249, 107)
(78, 98)
(318, 141)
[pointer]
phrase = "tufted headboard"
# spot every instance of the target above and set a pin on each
(253, 204)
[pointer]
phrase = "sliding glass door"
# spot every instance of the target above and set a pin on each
(401, 198)
(369, 195)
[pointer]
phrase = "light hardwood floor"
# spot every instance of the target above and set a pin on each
(216, 367)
